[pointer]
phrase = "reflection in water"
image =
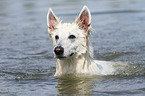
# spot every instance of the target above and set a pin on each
(77, 85)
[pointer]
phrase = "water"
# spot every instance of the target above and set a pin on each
(27, 65)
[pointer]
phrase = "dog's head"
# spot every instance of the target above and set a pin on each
(69, 39)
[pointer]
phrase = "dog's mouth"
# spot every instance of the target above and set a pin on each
(61, 57)
(71, 54)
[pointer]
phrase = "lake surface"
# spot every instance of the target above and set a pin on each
(27, 65)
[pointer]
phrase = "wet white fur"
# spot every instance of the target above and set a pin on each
(82, 61)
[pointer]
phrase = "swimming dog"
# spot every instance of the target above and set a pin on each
(72, 48)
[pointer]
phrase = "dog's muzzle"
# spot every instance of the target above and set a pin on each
(59, 52)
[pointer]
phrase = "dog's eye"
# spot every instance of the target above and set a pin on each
(56, 37)
(72, 37)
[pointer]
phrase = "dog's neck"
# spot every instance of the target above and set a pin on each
(77, 64)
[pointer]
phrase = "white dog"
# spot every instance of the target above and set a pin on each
(72, 47)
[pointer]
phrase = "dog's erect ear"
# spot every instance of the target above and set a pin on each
(52, 20)
(84, 19)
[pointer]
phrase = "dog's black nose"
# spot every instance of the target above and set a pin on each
(59, 50)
